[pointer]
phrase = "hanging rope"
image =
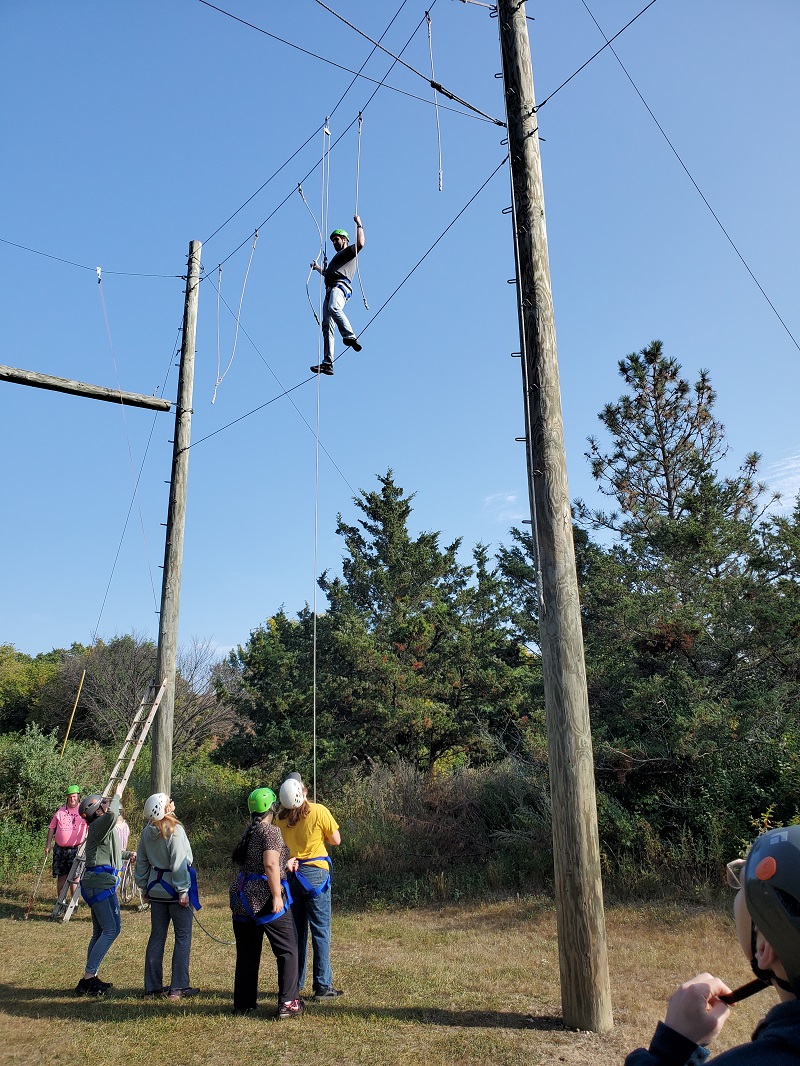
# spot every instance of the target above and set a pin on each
(355, 243)
(221, 377)
(435, 98)
(320, 253)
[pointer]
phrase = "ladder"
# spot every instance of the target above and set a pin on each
(137, 734)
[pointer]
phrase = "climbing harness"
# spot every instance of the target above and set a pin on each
(97, 897)
(193, 893)
(240, 894)
(312, 891)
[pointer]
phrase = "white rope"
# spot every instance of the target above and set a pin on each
(435, 99)
(326, 174)
(355, 243)
(221, 377)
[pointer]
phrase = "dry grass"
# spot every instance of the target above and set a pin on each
(461, 984)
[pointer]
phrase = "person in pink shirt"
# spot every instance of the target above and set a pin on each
(66, 832)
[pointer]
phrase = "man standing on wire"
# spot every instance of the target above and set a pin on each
(338, 277)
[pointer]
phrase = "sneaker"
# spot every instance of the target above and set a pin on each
(323, 368)
(248, 1010)
(328, 993)
(155, 993)
(182, 993)
(91, 986)
(352, 342)
(290, 1010)
(102, 984)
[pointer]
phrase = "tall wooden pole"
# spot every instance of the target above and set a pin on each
(161, 762)
(583, 956)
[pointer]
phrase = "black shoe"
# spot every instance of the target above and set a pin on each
(182, 993)
(323, 368)
(83, 986)
(156, 993)
(327, 993)
(91, 987)
(102, 984)
(352, 342)
(248, 1010)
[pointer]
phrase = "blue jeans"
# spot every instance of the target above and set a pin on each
(333, 315)
(161, 914)
(106, 925)
(314, 915)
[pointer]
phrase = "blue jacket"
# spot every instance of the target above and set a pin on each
(776, 1042)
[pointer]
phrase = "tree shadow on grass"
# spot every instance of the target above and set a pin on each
(128, 1005)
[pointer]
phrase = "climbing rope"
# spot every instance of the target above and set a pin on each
(435, 98)
(355, 243)
(221, 377)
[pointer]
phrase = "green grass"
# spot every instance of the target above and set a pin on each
(462, 984)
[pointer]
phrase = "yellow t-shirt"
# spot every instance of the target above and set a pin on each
(306, 840)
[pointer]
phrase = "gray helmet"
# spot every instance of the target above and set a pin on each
(90, 807)
(772, 893)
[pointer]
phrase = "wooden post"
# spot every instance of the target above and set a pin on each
(161, 761)
(583, 956)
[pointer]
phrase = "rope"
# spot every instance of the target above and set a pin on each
(226, 943)
(355, 243)
(221, 378)
(435, 98)
(127, 435)
(321, 252)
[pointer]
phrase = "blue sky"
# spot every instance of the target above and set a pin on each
(132, 129)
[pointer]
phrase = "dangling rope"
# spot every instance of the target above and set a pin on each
(326, 175)
(321, 252)
(355, 243)
(435, 98)
(221, 377)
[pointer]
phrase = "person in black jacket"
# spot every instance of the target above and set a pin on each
(767, 913)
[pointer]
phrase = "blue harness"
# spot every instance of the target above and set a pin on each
(239, 894)
(312, 891)
(194, 894)
(97, 897)
(343, 287)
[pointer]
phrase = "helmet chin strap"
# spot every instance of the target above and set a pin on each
(767, 976)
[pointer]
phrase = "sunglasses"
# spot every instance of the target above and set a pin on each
(735, 869)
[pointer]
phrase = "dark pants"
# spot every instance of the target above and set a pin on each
(161, 916)
(249, 940)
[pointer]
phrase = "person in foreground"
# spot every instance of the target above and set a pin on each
(99, 885)
(307, 828)
(165, 877)
(767, 913)
(260, 904)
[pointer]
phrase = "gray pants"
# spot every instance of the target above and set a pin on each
(161, 914)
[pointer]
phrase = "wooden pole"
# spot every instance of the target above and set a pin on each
(583, 956)
(81, 388)
(74, 709)
(161, 761)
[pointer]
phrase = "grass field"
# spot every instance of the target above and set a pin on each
(457, 984)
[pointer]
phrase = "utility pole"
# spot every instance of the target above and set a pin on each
(161, 761)
(583, 954)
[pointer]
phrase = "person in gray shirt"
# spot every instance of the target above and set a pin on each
(338, 275)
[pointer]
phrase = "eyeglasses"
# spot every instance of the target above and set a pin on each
(735, 869)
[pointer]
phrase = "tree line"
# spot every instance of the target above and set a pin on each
(690, 600)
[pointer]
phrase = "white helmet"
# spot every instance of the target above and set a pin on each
(291, 794)
(155, 806)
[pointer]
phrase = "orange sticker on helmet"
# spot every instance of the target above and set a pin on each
(766, 868)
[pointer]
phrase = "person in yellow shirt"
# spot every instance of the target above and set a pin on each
(307, 829)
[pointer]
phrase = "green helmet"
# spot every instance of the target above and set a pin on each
(73, 789)
(340, 233)
(261, 800)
